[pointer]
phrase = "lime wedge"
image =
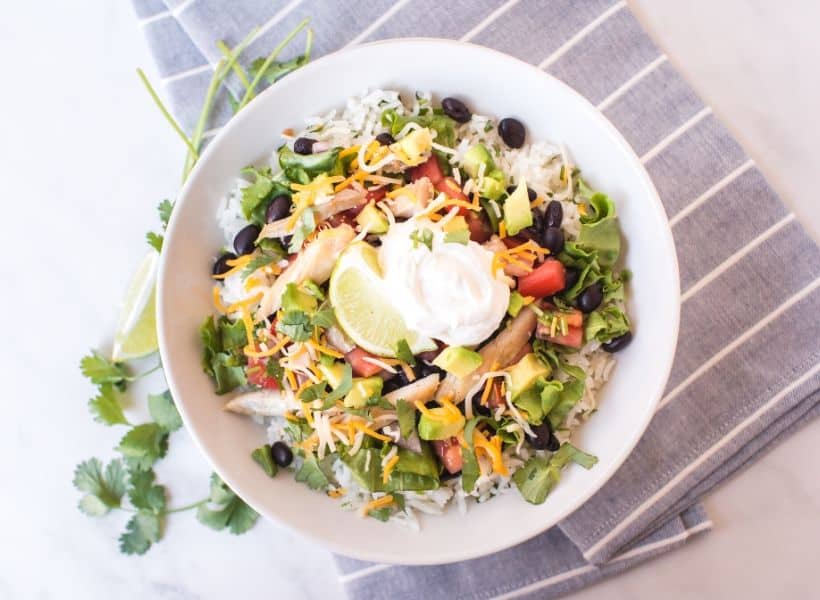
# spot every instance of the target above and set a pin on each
(137, 327)
(363, 308)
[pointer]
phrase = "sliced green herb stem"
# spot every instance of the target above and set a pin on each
(237, 68)
(191, 146)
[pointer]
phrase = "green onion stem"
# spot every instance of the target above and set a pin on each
(220, 73)
(191, 147)
(237, 68)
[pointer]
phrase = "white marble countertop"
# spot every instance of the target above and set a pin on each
(85, 158)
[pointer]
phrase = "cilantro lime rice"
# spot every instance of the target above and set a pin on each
(418, 303)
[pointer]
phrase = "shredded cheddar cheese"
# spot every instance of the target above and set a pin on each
(388, 468)
(492, 449)
(377, 503)
(337, 493)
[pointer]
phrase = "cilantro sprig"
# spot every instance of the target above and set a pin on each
(128, 483)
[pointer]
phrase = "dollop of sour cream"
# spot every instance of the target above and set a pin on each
(447, 291)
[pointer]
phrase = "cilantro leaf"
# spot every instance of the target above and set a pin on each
(231, 510)
(141, 531)
(154, 240)
(164, 412)
(295, 324)
(460, 236)
(422, 236)
(404, 354)
(304, 227)
(143, 494)
(164, 209)
(104, 488)
(324, 318)
(277, 69)
(257, 262)
(101, 370)
(407, 418)
(105, 407)
(311, 474)
(262, 456)
(143, 445)
(539, 475)
(258, 190)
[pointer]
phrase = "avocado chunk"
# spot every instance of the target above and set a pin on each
(525, 373)
(414, 148)
(333, 373)
(492, 188)
(363, 389)
(457, 223)
(517, 211)
(295, 299)
(440, 423)
(372, 219)
(475, 157)
(458, 360)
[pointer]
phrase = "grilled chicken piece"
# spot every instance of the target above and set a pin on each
(314, 262)
(420, 390)
(500, 351)
(266, 403)
(412, 198)
(348, 198)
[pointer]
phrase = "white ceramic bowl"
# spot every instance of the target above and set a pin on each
(490, 83)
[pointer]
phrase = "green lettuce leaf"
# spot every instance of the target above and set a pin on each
(599, 230)
(539, 475)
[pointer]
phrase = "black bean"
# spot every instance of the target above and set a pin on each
(397, 381)
(512, 132)
(245, 240)
(478, 408)
(385, 139)
(530, 192)
(221, 264)
(279, 208)
(619, 343)
(446, 475)
(456, 110)
(554, 240)
(303, 145)
(535, 232)
(555, 213)
(281, 454)
(591, 298)
(423, 370)
(571, 276)
(544, 438)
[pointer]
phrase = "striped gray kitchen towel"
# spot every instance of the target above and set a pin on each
(747, 368)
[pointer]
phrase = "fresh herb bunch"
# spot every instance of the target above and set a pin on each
(128, 483)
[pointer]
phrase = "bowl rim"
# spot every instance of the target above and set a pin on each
(665, 236)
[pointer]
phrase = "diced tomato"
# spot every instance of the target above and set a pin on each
(480, 230)
(374, 195)
(514, 241)
(361, 367)
(449, 453)
(430, 169)
(548, 279)
(574, 337)
(451, 189)
(257, 374)
(573, 317)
